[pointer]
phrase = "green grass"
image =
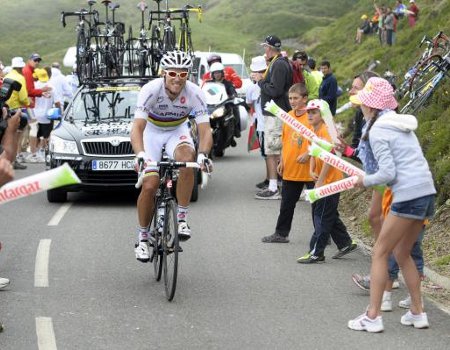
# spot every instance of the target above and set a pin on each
(443, 261)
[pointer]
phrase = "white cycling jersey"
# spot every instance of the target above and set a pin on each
(157, 108)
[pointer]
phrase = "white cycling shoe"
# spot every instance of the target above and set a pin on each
(184, 232)
(142, 251)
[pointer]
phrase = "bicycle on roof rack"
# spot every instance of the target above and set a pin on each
(86, 27)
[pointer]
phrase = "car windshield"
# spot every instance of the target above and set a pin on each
(104, 104)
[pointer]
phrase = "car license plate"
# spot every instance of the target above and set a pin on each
(112, 165)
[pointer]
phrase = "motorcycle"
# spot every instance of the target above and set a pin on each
(223, 122)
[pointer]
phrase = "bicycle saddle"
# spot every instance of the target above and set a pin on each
(114, 6)
(106, 2)
(92, 2)
(142, 6)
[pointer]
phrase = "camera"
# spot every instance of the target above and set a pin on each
(9, 85)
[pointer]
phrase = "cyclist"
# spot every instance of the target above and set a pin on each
(163, 107)
(230, 73)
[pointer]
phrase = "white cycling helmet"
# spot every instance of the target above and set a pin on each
(176, 59)
(216, 67)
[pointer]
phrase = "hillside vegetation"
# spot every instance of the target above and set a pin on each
(226, 26)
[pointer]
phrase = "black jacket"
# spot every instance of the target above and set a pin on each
(276, 84)
(328, 91)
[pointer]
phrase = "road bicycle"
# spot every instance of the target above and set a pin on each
(138, 49)
(109, 43)
(85, 30)
(185, 40)
(426, 80)
(436, 47)
(164, 226)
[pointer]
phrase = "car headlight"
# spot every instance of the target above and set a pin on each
(59, 145)
(219, 112)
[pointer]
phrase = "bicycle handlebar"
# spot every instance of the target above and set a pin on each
(171, 164)
(81, 14)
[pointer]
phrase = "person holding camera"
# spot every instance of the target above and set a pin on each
(19, 98)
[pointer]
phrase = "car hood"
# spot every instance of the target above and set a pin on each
(79, 130)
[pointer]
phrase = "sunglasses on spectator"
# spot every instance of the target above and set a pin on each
(173, 74)
(37, 60)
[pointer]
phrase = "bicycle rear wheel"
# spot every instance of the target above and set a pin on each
(425, 71)
(171, 247)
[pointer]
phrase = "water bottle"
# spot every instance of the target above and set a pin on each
(160, 218)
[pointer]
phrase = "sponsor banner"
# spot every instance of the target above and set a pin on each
(330, 189)
(335, 161)
(47, 180)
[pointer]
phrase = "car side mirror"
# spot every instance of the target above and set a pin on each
(54, 114)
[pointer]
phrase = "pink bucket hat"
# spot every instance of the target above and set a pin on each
(377, 93)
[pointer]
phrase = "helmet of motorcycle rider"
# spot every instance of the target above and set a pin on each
(213, 58)
(176, 59)
(216, 67)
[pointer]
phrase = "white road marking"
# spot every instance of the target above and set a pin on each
(54, 221)
(41, 264)
(45, 333)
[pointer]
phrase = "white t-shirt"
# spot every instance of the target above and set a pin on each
(253, 96)
(155, 106)
(43, 104)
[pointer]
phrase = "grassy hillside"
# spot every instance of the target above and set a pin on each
(227, 25)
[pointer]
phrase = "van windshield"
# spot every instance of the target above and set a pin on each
(240, 69)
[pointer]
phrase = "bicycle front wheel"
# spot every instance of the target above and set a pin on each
(171, 247)
(157, 253)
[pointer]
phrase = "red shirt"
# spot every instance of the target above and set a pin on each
(27, 72)
(230, 75)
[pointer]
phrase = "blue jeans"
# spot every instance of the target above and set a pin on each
(418, 209)
(416, 254)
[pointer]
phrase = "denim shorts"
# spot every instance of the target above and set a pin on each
(419, 208)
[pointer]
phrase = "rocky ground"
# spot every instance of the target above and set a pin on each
(436, 247)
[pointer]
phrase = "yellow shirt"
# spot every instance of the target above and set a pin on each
(18, 99)
(294, 145)
(333, 174)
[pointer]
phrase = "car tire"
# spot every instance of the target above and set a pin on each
(56, 196)
(194, 195)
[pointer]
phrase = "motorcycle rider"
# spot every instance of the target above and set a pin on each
(230, 73)
(218, 74)
(161, 118)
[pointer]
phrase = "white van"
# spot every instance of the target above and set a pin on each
(233, 60)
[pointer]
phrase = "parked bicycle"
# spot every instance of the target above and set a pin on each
(426, 80)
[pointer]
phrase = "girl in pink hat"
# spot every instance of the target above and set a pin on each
(402, 167)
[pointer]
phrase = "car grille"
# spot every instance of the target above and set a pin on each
(105, 148)
(109, 178)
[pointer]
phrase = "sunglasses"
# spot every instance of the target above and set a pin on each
(37, 60)
(173, 74)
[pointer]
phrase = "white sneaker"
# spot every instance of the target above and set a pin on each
(386, 304)
(184, 232)
(364, 323)
(406, 303)
(32, 158)
(142, 251)
(3, 282)
(418, 321)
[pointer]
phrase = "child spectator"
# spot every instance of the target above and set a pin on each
(402, 166)
(293, 166)
(325, 211)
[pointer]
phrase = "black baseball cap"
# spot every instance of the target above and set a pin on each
(35, 57)
(273, 41)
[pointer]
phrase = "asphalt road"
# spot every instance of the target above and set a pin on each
(234, 292)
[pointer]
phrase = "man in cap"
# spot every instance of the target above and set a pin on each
(274, 83)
